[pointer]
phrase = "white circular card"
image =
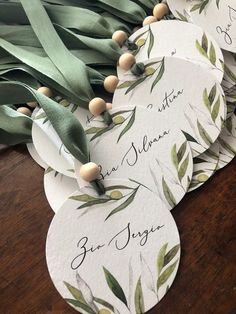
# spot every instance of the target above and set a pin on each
(181, 92)
(122, 263)
(142, 147)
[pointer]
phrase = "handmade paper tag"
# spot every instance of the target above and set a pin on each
(165, 38)
(106, 261)
(33, 153)
(141, 147)
(58, 188)
(204, 166)
(49, 145)
(217, 17)
(195, 105)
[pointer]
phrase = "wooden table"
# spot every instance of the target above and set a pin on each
(206, 281)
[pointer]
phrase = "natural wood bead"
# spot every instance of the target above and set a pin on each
(149, 20)
(25, 111)
(109, 106)
(45, 91)
(126, 61)
(110, 83)
(32, 104)
(89, 172)
(97, 106)
(160, 10)
(120, 37)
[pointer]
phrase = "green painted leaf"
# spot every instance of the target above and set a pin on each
(93, 130)
(205, 42)
(40, 116)
(218, 3)
(114, 286)
(195, 7)
(181, 16)
(206, 99)
(161, 258)
(229, 125)
(212, 154)
(189, 137)
(216, 110)
(125, 84)
(183, 168)
(138, 298)
(95, 202)
(123, 205)
(151, 42)
(81, 306)
(135, 84)
(128, 126)
(141, 42)
(212, 94)
(82, 198)
(163, 278)
(118, 187)
(174, 156)
(200, 49)
(160, 74)
(198, 160)
(101, 132)
(204, 4)
(171, 255)
(182, 151)
(168, 194)
(104, 303)
(230, 74)
(76, 293)
(212, 54)
(204, 135)
(48, 170)
(226, 146)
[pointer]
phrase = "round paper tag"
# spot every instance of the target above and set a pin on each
(116, 254)
(142, 147)
(195, 105)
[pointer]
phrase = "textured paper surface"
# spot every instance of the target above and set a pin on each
(125, 262)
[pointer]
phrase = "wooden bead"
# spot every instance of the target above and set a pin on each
(32, 104)
(110, 83)
(109, 106)
(149, 20)
(120, 37)
(97, 106)
(25, 111)
(160, 10)
(126, 61)
(45, 91)
(89, 172)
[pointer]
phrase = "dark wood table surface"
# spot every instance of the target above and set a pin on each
(206, 280)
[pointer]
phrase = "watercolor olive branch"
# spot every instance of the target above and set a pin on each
(202, 5)
(179, 160)
(118, 121)
(85, 300)
(207, 49)
(113, 194)
(148, 73)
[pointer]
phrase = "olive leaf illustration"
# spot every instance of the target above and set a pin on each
(164, 270)
(181, 164)
(227, 146)
(114, 286)
(149, 71)
(207, 49)
(119, 118)
(168, 194)
(200, 6)
(80, 302)
(138, 298)
(230, 74)
(204, 135)
(114, 194)
(181, 16)
(151, 41)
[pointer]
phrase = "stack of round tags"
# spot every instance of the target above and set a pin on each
(173, 127)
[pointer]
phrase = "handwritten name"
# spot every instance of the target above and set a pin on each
(168, 100)
(225, 31)
(132, 156)
(120, 241)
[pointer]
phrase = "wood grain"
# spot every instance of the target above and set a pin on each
(206, 281)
